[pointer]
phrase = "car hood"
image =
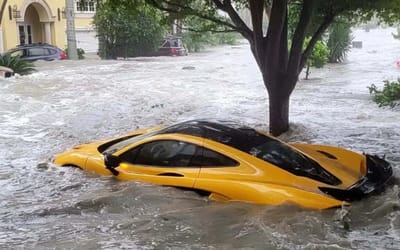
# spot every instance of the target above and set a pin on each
(348, 166)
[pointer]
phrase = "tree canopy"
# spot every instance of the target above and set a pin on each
(280, 65)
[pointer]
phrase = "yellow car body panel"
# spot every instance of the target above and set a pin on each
(348, 165)
(265, 193)
(178, 177)
(242, 183)
(78, 157)
(250, 179)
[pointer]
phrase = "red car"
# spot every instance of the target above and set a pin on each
(172, 46)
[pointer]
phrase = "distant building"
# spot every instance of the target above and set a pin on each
(43, 21)
(84, 28)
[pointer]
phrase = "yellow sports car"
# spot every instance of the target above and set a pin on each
(230, 162)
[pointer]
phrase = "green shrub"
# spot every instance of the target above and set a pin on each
(339, 41)
(196, 41)
(127, 29)
(318, 57)
(230, 38)
(388, 96)
(17, 64)
(80, 51)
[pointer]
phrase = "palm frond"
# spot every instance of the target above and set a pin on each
(16, 63)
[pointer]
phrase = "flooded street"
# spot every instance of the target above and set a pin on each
(65, 103)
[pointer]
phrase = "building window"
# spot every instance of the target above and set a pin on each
(85, 6)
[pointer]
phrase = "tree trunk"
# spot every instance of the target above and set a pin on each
(279, 85)
(307, 71)
(278, 114)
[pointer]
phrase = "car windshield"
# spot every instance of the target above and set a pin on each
(120, 143)
(171, 42)
(257, 144)
(283, 156)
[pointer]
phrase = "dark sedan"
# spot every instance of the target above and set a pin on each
(34, 52)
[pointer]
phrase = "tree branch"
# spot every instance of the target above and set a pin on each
(299, 37)
(207, 30)
(267, 7)
(283, 49)
(190, 11)
(274, 34)
(317, 35)
(257, 11)
(242, 28)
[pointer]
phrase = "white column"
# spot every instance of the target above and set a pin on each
(71, 39)
(47, 32)
(1, 40)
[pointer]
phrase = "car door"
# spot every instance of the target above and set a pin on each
(37, 53)
(165, 162)
(22, 53)
(220, 174)
(218, 166)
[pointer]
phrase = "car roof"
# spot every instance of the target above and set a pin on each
(226, 132)
(33, 45)
(248, 140)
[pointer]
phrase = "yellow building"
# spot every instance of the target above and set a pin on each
(43, 21)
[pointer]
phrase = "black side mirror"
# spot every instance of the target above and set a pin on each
(111, 162)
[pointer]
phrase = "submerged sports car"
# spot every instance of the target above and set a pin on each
(230, 162)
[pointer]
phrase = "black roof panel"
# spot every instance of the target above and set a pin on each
(226, 132)
(257, 144)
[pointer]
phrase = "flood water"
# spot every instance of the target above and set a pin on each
(43, 206)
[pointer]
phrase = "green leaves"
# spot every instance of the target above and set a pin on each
(388, 96)
(339, 41)
(127, 29)
(319, 55)
(17, 64)
(80, 51)
(198, 33)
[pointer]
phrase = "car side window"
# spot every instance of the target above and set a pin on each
(166, 44)
(172, 153)
(38, 52)
(166, 153)
(19, 53)
(51, 51)
(213, 159)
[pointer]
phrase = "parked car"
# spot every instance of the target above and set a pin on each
(172, 46)
(6, 72)
(39, 51)
(230, 162)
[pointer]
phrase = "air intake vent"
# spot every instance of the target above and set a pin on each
(330, 156)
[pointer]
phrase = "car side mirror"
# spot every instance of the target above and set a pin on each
(111, 162)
